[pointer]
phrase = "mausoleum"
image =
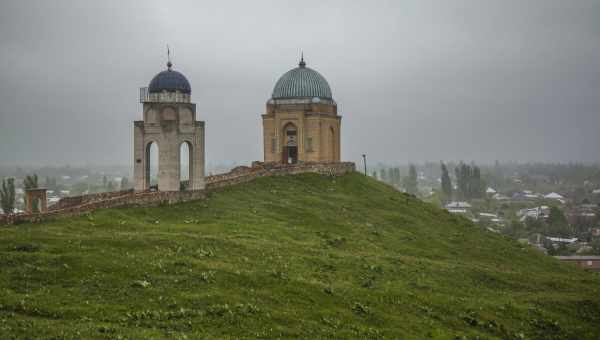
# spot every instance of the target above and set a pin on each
(301, 123)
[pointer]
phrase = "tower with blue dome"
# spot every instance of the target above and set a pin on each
(301, 123)
(169, 124)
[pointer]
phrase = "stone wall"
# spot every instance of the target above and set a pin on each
(84, 199)
(78, 205)
(258, 169)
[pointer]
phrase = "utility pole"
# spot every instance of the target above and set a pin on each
(365, 163)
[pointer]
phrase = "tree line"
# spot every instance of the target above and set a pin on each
(8, 195)
(469, 181)
(393, 176)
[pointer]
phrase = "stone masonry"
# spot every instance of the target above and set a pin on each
(73, 206)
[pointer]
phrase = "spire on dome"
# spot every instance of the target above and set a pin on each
(169, 63)
(302, 63)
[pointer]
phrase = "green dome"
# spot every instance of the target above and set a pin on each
(302, 82)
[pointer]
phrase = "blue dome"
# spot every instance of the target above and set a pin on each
(170, 81)
(302, 82)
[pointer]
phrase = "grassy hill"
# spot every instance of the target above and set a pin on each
(286, 257)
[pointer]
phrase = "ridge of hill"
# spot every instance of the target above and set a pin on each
(303, 256)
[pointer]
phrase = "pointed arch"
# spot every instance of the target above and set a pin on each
(151, 171)
(290, 143)
(186, 165)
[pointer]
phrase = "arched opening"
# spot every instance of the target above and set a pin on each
(331, 145)
(152, 166)
(36, 205)
(290, 144)
(185, 166)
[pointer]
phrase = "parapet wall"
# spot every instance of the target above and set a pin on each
(258, 169)
(89, 198)
(78, 205)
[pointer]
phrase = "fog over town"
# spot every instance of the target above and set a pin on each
(414, 80)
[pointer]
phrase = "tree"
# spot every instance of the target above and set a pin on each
(556, 216)
(582, 224)
(51, 183)
(497, 174)
(477, 186)
(468, 181)
(557, 223)
(397, 177)
(463, 174)
(31, 182)
(7, 195)
(514, 229)
(390, 175)
(382, 175)
(104, 181)
(446, 183)
(124, 183)
(596, 247)
(410, 182)
(459, 192)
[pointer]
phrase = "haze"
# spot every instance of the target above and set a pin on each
(414, 80)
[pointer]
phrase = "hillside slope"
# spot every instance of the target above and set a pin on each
(286, 257)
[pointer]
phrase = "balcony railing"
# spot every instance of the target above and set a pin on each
(144, 95)
(163, 97)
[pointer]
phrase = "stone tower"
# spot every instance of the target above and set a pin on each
(169, 121)
(301, 123)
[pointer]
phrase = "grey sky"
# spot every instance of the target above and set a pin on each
(414, 80)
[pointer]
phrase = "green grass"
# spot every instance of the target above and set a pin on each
(286, 257)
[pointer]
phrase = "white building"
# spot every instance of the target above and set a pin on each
(554, 196)
(535, 213)
(458, 205)
(490, 191)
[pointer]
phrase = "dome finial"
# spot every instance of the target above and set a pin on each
(169, 63)
(302, 63)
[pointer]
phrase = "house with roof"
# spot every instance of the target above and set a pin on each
(589, 262)
(500, 197)
(582, 212)
(541, 212)
(526, 195)
(490, 217)
(458, 207)
(554, 196)
(556, 241)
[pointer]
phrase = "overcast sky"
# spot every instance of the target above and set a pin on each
(414, 80)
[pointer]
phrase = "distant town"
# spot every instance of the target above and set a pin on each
(553, 207)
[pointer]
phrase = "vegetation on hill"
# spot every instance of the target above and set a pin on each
(286, 257)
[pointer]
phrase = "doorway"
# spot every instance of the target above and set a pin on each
(290, 155)
(290, 149)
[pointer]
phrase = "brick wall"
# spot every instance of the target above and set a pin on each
(78, 205)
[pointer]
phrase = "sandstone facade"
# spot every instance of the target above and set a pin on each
(301, 122)
(312, 129)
